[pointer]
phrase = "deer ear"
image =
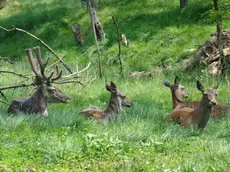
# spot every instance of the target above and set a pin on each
(167, 84)
(113, 85)
(177, 80)
(108, 88)
(199, 86)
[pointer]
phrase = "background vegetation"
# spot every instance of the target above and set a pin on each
(161, 36)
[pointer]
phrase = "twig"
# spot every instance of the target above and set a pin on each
(69, 82)
(119, 45)
(3, 95)
(15, 86)
(1, 101)
(11, 72)
(42, 42)
(6, 59)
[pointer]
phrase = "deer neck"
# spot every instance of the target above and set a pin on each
(204, 112)
(114, 106)
(175, 100)
(39, 99)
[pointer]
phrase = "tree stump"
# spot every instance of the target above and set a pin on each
(77, 34)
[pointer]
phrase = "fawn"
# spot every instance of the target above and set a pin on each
(117, 101)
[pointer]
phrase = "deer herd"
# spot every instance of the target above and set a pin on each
(184, 113)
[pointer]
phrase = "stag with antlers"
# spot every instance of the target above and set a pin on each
(45, 92)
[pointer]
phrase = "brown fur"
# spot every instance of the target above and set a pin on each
(117, 101)
(218, 110)
(200, 114)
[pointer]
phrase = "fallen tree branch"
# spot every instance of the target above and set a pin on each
(119, 45)
(42, 42)
(15, 86)
(1, 101)
(11, 72)
(6, 59)
(3, 95)
(69, 82)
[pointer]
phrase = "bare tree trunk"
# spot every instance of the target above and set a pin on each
(2, 4)
(92, 14)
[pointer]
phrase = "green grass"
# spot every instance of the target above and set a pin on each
(139, 139)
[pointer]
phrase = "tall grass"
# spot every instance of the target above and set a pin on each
(139, 139)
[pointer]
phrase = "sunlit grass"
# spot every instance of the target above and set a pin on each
(139, 139)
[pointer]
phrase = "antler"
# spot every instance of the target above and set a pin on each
(32, 63)
(42, 66)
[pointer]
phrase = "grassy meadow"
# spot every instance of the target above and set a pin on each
(161, 36)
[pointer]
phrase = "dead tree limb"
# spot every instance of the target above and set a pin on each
(6, 59)
(15, 86)
(119, 45)
(95, 38)
(2, 4)
(13, 73)
(41, 41)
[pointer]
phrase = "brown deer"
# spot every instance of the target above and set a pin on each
(117, 101)
(45, 92)
(178, 93)
(201, 113)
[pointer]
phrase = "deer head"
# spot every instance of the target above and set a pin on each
(123, 100)
(177, 89)
(43, 82)
(209, 95)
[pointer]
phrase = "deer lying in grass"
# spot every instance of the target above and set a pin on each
(178, 93)
(117, 101)
(201, 112)
(45, 93)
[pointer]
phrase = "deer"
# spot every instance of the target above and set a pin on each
(178, 94)
(45, 93)
(116, 102)
(201, 112)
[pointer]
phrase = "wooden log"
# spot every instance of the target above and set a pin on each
(2, 4)
(77, 34)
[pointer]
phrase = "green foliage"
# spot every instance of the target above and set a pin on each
(139, 139)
